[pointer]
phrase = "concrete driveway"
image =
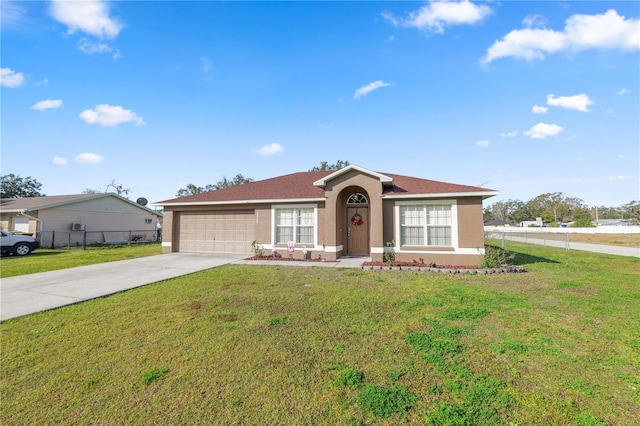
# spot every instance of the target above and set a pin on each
(27, 294)
(31, 293)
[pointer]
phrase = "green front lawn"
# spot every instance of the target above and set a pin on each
(43, 259)
(244, 344)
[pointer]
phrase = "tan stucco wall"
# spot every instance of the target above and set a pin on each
(336, 191)
(332, 223)
(262, 214)
(470, 223)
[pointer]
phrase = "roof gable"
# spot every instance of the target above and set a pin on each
(385, 180)
(30, 204)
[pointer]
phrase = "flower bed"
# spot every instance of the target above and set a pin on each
(288, 259)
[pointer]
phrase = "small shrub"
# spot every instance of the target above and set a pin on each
(258, 250)
(153, 375)
(350, 377)
(496, 257)
(390, 256)
(583, 222)
(383, 401)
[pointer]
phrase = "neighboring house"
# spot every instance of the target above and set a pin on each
(330, 214)
(79, 219)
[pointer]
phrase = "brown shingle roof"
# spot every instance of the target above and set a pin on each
(407, 185)
(300, 186)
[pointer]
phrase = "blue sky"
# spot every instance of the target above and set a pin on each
(522, 97)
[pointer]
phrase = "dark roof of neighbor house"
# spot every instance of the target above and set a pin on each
(39, 203)
(300, 186)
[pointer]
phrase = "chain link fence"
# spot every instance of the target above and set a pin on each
(525, 235)
(82, 239)
(555, 237)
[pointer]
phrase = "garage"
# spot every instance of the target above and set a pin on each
(216, 231)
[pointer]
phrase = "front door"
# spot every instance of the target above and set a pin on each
(357, 231)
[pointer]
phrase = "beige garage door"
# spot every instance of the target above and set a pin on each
(217, 232)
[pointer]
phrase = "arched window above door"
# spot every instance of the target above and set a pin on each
(357, 198)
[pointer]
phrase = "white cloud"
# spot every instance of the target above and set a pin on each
(89, 158)
(509, 134)
(581, 32)
(59, 161)
(108, 115)
(365, 90)
(534, 21)
(12, 13)
(537, 109)
(483, 143)
(89, 16)
(271, 149)
(437, 15)
(543, 130)
(47, 104)
(579, 102)
(90, 48)
(624, 91)
(10, 78)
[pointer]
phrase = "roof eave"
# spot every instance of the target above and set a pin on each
(222, 203)
(483, 194)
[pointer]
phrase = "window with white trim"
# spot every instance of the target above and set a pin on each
(425, 225)
(295, 224)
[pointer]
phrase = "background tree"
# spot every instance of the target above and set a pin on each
(192, 189)
(557, 207)
(325, 166)
(12, 186)
(510, 210)
(112, 186)
(631, 210)
(236, 180)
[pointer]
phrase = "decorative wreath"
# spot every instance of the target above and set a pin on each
(356, 220)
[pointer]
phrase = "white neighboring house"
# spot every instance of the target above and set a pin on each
(62, 220)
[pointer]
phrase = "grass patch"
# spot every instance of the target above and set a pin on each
(43, 260)
(384, 401)
(153, 375)
(350, 377)
(435, 349)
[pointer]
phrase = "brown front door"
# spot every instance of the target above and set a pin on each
(358, 231)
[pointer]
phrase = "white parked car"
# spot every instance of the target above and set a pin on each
(20, 245)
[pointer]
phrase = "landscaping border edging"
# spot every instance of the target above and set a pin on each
(464, 271)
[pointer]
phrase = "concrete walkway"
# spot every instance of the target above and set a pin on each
(597, 248)
(27, 294)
